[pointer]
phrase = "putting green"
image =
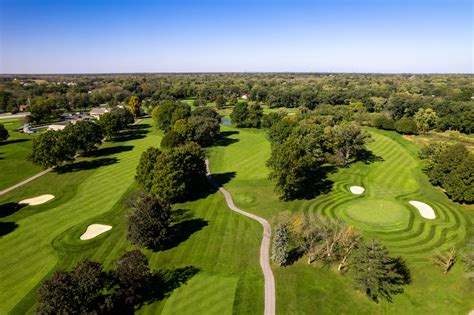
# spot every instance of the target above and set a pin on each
(377, 212)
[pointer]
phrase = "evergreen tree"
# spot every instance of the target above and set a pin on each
(3, 133)
(280, 246)
(376, 273)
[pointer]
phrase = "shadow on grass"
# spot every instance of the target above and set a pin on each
(140, 126)
(9, 208)
(85, 165)
(224, 139)
(207, 189)
(159, 286)
(294, 255)
(315, 184)
(111, 150)
(13, 141)
(7, 228)
(183, 230)
(132, 134)
(368, 157)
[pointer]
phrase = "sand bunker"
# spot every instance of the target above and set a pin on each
(36, 200)
(425, 211)
(357, 190)
(94, 230)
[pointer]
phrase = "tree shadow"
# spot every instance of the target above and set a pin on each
(316, 184)
(158, 286)
(111, 150)
(7, 228)
(128, 135)
(85, 165)
(140, 126)
(13, 141)
(223, 140)
(368, 157)
(294, 255)
(208, 186)
(9, 208)
(182, 231)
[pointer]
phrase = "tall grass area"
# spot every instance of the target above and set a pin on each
(13, 152)
(394, 178)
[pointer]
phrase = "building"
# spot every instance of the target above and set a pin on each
(60, 125)
(98, 111)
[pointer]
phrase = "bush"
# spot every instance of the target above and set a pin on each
(406, 126)
(383, 122)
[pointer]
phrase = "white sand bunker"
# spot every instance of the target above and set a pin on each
(36, 200)
(357, 190)
(425, 211)
(94, 230)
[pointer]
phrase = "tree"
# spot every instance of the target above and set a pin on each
(76, 292)
(254, 117)
(406, 126)
(134, 105)
(376, 273)
(145, 167)
(133, 277)
(239, 115)
(167, 113)
(383, 122)
(115, 121)
(270, 119)
(425, 119)
(174, 174)
(84, 136)
(296, 164)
(280, 130)
(172, 139)
(459, 183)
(346, 141)
(280, 244)
(149, 222)
(205, 130)
(3, 133)
(51, 148)
(446, 259)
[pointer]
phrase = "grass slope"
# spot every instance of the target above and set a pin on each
(13, 152)
(390, 183)
(222, 245)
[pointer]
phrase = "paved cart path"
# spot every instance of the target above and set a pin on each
(264, 248)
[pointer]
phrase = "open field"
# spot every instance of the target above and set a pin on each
(13, 152)
(224, 246)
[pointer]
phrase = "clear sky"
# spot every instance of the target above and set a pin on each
(89, 36)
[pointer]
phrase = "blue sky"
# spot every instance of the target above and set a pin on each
(86, 36)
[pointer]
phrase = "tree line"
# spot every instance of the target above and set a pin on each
(55, 148)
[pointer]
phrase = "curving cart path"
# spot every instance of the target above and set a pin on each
(264, 248)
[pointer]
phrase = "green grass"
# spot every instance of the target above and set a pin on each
(13, 152)
(226, 248)
(46, 238)
(393, 180)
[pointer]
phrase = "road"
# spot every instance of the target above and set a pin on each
(264, 248)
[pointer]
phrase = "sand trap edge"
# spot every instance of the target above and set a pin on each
(357, 190)
(36, 200)
(425, 210)
(94, 230)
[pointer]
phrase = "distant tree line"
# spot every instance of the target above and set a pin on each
(450, 96)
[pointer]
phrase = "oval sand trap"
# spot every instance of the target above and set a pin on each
(357, 190)
(36, 200)
(425, 211)
(94, 230)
